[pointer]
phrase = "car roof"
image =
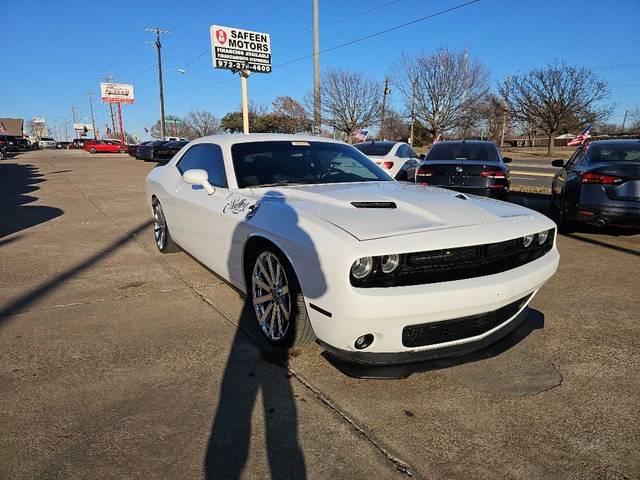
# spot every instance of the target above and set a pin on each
(464, 142)
(616, 141)
(378, 142)
(228, 139)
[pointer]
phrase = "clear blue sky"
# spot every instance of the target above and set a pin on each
(54, 52)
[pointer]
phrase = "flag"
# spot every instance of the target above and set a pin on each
(3, 129)
(362, 135)
(581, 138)
(437, 139)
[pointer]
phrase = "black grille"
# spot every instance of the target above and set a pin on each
(435, 266)
(458, 328)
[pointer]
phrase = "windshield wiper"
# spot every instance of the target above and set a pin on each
(281, 183)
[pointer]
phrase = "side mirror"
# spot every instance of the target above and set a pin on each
(421, 156)
(199, 177)
(558, 163)
(507, 159)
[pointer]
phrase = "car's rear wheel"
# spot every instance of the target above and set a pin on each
(164, 242)
(121, 150)
(278, 301)
(566, 224)
(92, 150)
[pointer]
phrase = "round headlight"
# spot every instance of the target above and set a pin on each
(362, 267)
(542, 237)
(527, 240)
(388, 263)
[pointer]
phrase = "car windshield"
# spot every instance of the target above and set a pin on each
(376, 149)
(301, 162)
(463, 151)
(615, 153)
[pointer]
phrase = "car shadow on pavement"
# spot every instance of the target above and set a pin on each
(533, 321)
(257, 368)
(16, 183)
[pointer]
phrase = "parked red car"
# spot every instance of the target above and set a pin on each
(104, 146)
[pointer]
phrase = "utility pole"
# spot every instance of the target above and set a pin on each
(158, 31)
(385, 92)
(66, 131)
(504, 113)
(109, 79)
(244, 74)
(624, 120)
(317, 117)
(93, 121)
(414, 84)
(73, 114)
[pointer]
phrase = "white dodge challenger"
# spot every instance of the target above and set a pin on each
(328, 246)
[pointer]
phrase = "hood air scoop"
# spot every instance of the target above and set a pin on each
(374, 204)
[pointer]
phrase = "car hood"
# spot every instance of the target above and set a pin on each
(417, 208)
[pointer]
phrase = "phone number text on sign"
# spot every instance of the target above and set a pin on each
(240, 66)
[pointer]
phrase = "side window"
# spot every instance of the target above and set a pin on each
(205, 156)
(573, 158)
(404, 152)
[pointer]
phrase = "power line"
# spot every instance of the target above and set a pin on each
(350, 42)
(381, 32)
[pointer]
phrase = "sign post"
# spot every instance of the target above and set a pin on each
(243, 52)
(117, 93)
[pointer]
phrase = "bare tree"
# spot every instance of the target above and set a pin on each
(448, 88)
(556, 97)
(289, 116)
(37, 129)
(396, 127)
(350, 101)
(634, 126)
(202, 123)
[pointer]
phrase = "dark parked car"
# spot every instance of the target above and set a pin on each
(148, 151)
(10, 143)
(165, 152)
(132, 150)
(64, 145)
(468, 166)
(599, 184)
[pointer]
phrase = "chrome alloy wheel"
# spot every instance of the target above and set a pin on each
(271, 296)
(159, 225)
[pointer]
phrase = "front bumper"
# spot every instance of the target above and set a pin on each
(387, 312)
(452, 350)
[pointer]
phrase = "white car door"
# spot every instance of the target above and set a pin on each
(198, 220)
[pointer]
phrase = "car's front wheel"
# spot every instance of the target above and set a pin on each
(278, 301)
(92, 150)
(164, 242)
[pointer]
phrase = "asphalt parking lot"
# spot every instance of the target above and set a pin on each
(120, 362)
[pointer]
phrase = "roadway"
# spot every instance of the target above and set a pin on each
(537, 172)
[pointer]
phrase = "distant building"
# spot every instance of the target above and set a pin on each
(13, 126)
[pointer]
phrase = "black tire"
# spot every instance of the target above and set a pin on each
(299, 331)
(121, 150)
(566, 224)
(161, 233)
(402, 176)
(92, 150)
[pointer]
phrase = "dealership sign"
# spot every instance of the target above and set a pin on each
(87, 127)
(117, 93)
(236, 49)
